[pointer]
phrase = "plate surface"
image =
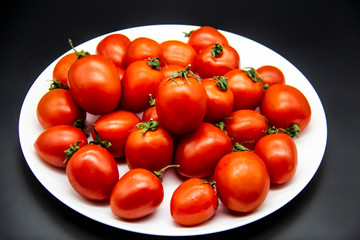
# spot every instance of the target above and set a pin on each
(311, 144)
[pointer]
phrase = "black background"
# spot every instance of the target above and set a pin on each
(320, 38)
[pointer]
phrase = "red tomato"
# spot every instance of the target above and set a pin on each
(92, 172)
(246, 126)
(61, 69)
(204, 36)
(216, 60)
(150, 112)
(271, 75)
(115, 127)
(193, 202)
(121, 72)
(114, 47)
(168, 70)
(149, 146)
(247, 90)
(142, 48)
(279, 153)
(57, 107)
(140, 80)
(181, 103)
(95, 84)
(220, 99)
(51, 143)
(178, 53)
(137, 194)
(242, 181)
(198, 152)
(284, 105)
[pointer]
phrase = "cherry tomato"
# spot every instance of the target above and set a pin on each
(169, 69)
(138, 193)
(61, 69)
(271, 75)
(51, 143)
(220, 99)
(279, 153)
(150, 112)
(57, 107)
(181, 103)
(193, 202)
(216, 60)
(246, 126)
(204, 36)
(114, 47)
(247, 89)
(115, 127)
(198, 152)
(95, 84)
(178, 53)
(149, 146)
(141, 78)
(284, 105)
(92, 172)
(142, 48)
(242, 181)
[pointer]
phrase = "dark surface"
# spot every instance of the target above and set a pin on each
(320, 38)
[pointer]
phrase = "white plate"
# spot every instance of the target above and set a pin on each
(311, 144)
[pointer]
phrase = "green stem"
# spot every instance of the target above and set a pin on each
(161, 172)
(98, 141)
(216, 50)
(78, 55)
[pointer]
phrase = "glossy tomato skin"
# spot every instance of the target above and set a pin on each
(246, 126)
(62, 67)
(92, 172)
(115, 127)
(152, 150)
(114, 47)
(271, 75)
(242, 181)
(193, 202)
(205, 36)
(247, 93)
(95, 84)
(199, 151)
(57, 107)
(219, 102)
(208, 66)
(279, 153)
(175, 52)
(150, 113)
(142, 48)
(51, 143)
(284, 105)
(181, 105)
(137, 194)
(138, 82)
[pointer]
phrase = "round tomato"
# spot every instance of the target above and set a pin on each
(181, 103)
(284, 106)
(220, 99)
(279, 153)
(114, 47)
(150, 112)
(149, 146)
(216, 60)
(198, 152)
(246, 87)
(246, 127)
(141, 78)
(95, 85)
(242, 181)
(52, 143)
(115, 127)
(271, 75)
(204, 36)
(175, 52)
(57, 107)
(61, 69)
(193, 202)
(142, 48)
(92, 172)
(138, 193)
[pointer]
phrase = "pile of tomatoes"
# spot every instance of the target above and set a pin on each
(188, 105)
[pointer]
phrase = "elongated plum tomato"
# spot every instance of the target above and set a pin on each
(205, 36)
(92, 172)
(242, 181)
(138, 193)
(95, 85)
(193, 202)
(61, 69)
(51, 143)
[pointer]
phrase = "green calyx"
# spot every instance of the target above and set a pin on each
(188, 34)
(216, 50)
(221, 125)
(151, 101)
(293, 130)
(183, 74)
(154, 63)
(221, 82)
(98, 141)
(55, 84)
(239, 147)
(71, 150)
(146, 126)
(78, 54)
(161, 172)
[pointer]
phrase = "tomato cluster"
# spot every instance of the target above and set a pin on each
(183, 103)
